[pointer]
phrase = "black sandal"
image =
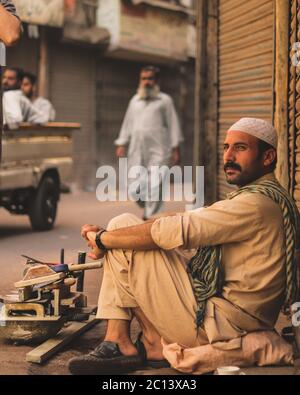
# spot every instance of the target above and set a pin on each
(107, 357)
(149, 363)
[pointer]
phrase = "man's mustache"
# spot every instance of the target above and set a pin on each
(232, 165)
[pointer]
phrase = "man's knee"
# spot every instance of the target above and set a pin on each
(123, 220)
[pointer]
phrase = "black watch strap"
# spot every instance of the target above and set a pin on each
(98, 241)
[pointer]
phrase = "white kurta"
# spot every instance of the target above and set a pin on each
(45, 111)
(18, 108)
(152, 130)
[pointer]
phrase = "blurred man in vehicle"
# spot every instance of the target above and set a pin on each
(43, 106)
(16, 107)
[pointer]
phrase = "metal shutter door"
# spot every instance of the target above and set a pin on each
(246, 64)
(72, 91)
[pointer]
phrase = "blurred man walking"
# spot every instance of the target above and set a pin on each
(152, 132)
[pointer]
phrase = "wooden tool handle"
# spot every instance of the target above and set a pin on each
(86, 266)
(69, 281)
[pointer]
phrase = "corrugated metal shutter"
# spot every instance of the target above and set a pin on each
(294, 107)
(246, 63)
(72, 91)
(116, 83)
(25, 55)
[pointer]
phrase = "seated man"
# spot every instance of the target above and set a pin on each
(44, 110)
(235, 283)
(16, 107)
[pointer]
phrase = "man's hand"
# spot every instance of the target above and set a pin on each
(10, 27)
(96, 253)
(121, 151)
(89, 228)
(88, 232)
(176, 156)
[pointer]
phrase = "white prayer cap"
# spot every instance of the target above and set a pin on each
(259, 128)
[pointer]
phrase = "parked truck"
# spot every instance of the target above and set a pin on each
(36, 162)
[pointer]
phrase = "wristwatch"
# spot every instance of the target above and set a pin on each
(98, 240)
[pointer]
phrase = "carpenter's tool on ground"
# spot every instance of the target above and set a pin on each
(44, 301)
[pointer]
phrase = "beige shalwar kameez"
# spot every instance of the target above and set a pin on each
(250, 230)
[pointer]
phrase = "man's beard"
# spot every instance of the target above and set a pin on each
(28, 95)
(147, 93)
(10, 88)
(243, 177)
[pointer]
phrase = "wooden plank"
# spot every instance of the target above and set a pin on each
(51, 125)
(56, 302)
(47, 349)
(37, 271)
(40, 280)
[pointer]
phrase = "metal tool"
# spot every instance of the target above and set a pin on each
(32, 259)
(44, 300)
(62, 256)
(80, 278)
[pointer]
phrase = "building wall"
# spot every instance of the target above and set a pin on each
(25, 54)
(137, 30)
(41, 12)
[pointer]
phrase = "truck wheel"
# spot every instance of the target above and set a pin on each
(43, 207)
